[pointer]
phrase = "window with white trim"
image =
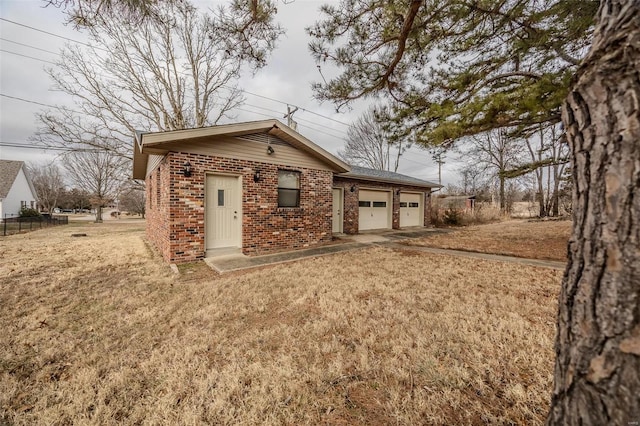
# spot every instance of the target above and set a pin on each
(288, 188)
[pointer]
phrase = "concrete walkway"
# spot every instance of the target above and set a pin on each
(237, 262)
(389, 239)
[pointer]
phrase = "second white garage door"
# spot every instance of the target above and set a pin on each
(374, 209)
(410, 209)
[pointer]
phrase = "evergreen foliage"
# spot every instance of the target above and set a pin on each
(28, 212)
(455, 67)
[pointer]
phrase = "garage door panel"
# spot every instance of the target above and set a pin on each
(410, 209)
(374, 207)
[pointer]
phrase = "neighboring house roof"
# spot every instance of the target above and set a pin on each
(9, 170)
(363, 173)
(163, 142)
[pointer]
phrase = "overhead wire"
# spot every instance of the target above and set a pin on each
(106, 50)
(27, 56)
(44, 148)
(299, 119)
(17, 98)
(30, 46)
(52, 34)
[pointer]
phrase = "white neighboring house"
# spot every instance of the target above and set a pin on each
(16, 189)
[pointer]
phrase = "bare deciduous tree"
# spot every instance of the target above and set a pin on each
(99, 173)
(48, 183)
(548, 153)
(473, 179)
(133, 200)
(166, 74)
(368, 144)
(494, 152)
(245, 28)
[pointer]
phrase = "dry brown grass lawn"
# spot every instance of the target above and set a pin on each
(96, 330)
(545, 240)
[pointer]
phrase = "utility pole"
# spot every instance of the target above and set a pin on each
(289, 117)
(437, 157)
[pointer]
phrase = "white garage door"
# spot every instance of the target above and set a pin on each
(374, 210)
(410, 209)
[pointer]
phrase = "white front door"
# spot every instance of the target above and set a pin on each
(374, 209)
(337, 211)
(223, 217)
(410, 209)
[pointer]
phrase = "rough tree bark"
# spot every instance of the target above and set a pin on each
(597, 371)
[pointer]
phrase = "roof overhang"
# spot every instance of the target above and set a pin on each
(355, 176)
(160, 143)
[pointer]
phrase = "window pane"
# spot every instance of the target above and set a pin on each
(220, 197)
(414, 205)
(288, 197)
(379, 204)
(403, 204)
(364, 203)
(288, 179)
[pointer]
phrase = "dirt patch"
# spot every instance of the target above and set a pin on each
(544, 240)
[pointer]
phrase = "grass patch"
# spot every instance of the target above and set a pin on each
(544, 240)
(98, 330)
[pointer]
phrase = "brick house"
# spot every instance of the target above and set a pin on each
(260, 187)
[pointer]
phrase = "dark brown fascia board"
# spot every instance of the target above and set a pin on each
(382, 180)
(237, 129)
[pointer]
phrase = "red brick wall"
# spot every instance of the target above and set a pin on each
(157, 207)
(350, 225)
(177, 226)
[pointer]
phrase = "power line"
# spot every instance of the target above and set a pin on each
(322, 131)
(294, 105)
(52, 34)
(285, 103)
(298, 119)
(30, 46)
(26, 100)
(26, 56)
(239, 109)
(38, 103)
(255, 112)
(45, 148)
(106, 50)
(241, 90)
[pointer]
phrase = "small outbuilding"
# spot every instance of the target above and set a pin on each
(260, 187)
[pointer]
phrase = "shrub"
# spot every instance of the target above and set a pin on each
(452, 216)
(29, 212)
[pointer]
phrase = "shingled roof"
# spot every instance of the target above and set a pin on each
(8, 172)
(364, 173)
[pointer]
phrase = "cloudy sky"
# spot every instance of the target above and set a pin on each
(31, 35)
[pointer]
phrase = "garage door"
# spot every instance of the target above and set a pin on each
(410, 209)
(374, 208)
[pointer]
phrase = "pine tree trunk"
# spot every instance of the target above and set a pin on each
(597, 370)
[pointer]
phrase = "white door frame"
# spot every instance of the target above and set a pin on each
(340, 211)
(210, 203)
